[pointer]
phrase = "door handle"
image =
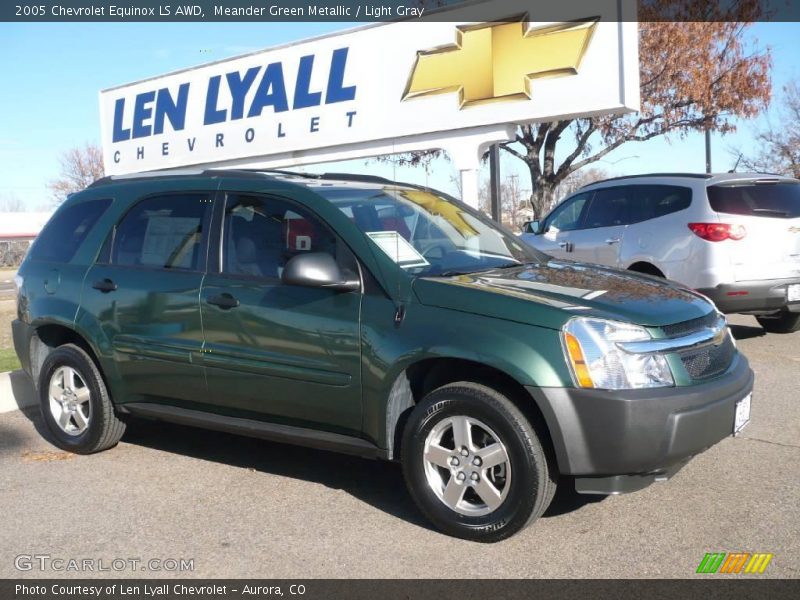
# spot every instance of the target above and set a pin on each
(105, 285)
(223, 301)
(611, 241)
(567, 246)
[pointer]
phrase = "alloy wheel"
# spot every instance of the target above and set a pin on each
(467, 466)
(70, 401)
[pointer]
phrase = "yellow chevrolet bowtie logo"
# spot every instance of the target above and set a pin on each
(498, 61)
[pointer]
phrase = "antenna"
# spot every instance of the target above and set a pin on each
(733, 170)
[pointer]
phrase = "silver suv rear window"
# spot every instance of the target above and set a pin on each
(774, 199)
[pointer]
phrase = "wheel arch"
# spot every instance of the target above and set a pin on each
(49, 335)
(646, 267)
(425, 375)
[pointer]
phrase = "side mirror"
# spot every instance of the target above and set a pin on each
(319, 270)
(531, 227)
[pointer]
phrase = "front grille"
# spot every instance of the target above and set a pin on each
(686, 327)
(709, 361)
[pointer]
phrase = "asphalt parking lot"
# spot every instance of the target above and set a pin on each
(245, 508)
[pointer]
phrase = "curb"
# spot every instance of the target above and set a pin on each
(16, 391)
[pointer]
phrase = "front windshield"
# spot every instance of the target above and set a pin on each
(427, 234)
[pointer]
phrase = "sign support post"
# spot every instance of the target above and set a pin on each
(494, 182)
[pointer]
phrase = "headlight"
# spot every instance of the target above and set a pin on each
(598, 362)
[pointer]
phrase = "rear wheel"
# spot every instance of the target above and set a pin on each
(781, 322)
(75, 403)
(474, 464)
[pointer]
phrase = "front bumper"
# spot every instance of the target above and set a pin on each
(767, 295)
(623, 440)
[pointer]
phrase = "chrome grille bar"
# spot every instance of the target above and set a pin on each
(707, 336)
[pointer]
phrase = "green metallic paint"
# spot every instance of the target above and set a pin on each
(153, 326)
(147, 333)
(550, 294)
(60, 303)
(528, 354)
(286, 353)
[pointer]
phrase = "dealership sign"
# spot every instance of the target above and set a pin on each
(375, 90)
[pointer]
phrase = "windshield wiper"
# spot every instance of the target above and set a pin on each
(454, 273)
(483, 270)
(772, 211)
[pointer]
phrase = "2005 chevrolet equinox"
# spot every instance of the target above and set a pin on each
(356, 314)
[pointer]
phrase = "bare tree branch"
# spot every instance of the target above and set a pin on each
(694, 73)
(80, 167)
(511, 151)
(779, 145)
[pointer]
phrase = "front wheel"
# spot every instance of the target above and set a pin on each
(474, 464)
(780, 322)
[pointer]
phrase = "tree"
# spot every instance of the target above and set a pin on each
(514, 209)
(695, 73)
(779, 150)
(455, 180)
(79, 168)
(11, 203)
(575, 181)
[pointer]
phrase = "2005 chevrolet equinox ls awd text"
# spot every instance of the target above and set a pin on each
(386, 320)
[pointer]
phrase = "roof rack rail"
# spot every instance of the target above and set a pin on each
(676, 174)
(327, 176)
(257, 171)
(356, 177)
(145, 175)
(250, 172)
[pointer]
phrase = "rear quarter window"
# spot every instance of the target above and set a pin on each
(654, 201)
(64, 233)
(776, 200)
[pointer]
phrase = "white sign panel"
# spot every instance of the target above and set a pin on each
(372, 90)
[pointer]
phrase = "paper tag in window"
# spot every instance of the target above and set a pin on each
(398, 249)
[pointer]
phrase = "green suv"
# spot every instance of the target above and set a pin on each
(355, 314)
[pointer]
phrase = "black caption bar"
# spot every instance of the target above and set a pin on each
(418, 589)
(380, 10)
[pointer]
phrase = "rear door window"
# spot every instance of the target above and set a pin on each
(609, 208)
(164, 232)
(60, 239)
(775, 200)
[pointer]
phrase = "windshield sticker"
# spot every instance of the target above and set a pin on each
(398, 249)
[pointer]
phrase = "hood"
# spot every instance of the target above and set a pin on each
(548, 294)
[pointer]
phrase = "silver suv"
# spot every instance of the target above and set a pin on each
(734, 237)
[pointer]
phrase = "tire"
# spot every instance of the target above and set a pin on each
(75, 404)
(782, 322)
(504, 498)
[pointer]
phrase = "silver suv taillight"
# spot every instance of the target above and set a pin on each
(718, 232)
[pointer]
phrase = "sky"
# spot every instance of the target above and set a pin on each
(52, 73)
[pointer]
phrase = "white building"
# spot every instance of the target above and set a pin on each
(21, 226)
